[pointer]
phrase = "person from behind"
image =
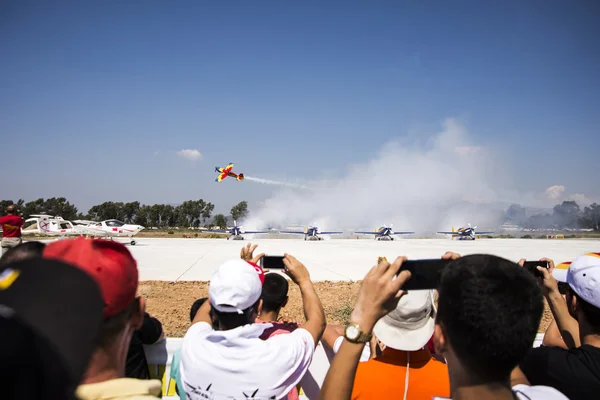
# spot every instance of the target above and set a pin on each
(50, 315)
(177, 354)
(406, 367)
(222, 355)
(489, 310)
(24, 251)
(115, 270)
(574, 371)
(151, 332)
(274, 297)
(11, 228)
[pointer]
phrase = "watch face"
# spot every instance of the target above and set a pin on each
(352, 332)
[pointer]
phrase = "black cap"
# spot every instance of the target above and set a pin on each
(62, 306)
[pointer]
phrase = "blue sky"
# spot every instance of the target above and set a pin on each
(96, 99)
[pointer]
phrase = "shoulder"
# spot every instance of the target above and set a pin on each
(538, 392)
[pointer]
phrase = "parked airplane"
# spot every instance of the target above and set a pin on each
(49, 225)
(384, 233)
(235, 232)
(465, 233)
(110, 228)
(225, 172)
(312, 233)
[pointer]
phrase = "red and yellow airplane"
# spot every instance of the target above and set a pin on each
(225, 172)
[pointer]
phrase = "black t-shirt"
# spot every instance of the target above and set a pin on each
(574, 372)
(149, 333)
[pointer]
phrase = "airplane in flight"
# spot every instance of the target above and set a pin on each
(312, 233)
(110, 228)
(235, 232)
(465, 233)
(384, 233)
(225, 172)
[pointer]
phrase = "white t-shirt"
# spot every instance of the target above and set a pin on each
(524, 392)
(237, 364)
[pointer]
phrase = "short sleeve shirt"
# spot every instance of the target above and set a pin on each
(574, 372)
(238, 364)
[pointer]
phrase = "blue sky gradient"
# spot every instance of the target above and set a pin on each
(96, 98)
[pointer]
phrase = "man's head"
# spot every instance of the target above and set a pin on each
(24, 251)
(410, 326)
(583, 294)
(489, 310)
(234, 293)
(11, 209)
(274, 293)
(115, 270)
(195, 307)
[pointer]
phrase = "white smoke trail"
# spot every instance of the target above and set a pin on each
(448, 182)
(270, 182)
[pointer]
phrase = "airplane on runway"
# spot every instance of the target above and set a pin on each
(235, 232)
(384, 233)
(110, 228)
(225, 172)
(465, 233)
(49, 225)
(312, 233)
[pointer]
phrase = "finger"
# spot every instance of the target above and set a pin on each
(400, 280)
(395, 267)
(257, 258)
(253, 248)
(522, 262)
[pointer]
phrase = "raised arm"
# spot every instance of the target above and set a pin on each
(378, 295)
(313, 309)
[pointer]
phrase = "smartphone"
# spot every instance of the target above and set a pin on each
(424, 274)
(272, 262)
(531, 266)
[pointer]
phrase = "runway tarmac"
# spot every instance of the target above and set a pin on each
(335, 259)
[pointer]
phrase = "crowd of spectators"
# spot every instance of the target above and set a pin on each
(74, 327)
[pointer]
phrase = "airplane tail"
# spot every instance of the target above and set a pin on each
(240, 177)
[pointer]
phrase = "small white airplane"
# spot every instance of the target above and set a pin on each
(110, 228)
(384, 233)
(465, 233)
(312, 233)
(49, 225)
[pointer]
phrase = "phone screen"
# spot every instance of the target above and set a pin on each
(272, 262)
(531, 266)
(425, 274)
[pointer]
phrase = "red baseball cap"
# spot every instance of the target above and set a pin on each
(110, 263)
(259, 270)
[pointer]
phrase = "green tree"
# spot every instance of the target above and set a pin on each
(220, 220)
(5, 203)
(130, 210)
(239, 211)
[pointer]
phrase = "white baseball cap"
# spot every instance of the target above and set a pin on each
(583, 276)
(410, 326)
(234, 287)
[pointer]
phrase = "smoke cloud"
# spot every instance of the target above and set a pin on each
(423, 187)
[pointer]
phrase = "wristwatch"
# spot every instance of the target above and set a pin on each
(354, 334)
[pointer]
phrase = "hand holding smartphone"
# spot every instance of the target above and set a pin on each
(272, 262)
(424, 274)
(531, 266)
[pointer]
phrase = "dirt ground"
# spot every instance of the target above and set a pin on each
(171, 302)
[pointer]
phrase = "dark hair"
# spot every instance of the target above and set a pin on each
(114, 325)
(223, 321)
(23, 251)
(590, 312)
(274, 292)
(489, 309)
(196, 306)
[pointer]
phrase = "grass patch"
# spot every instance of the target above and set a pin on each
(343, 313)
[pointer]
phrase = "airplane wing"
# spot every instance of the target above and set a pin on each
(255, 232)
(298, 232)
(221, 177)
(403, 233)
(330, 233)
(449, 233)
(228, 168)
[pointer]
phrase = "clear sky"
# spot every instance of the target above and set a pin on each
(97, 98)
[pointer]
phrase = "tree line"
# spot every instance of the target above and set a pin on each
(190, 213)
(567, 215)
